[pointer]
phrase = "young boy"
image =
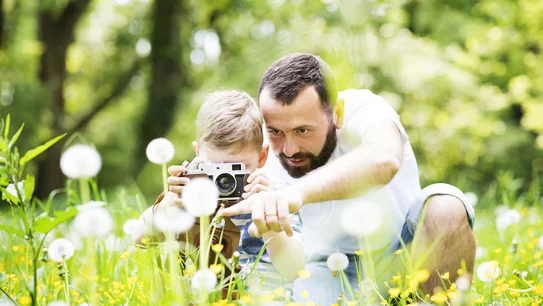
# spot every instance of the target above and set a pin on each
(229, 129)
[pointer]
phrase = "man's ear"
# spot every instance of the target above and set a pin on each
(263, 155)
(339, 111)
(195, 147)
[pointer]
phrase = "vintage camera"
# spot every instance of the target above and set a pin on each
(230, 178)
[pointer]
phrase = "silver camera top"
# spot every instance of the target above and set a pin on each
(212, 168)
(228, 177)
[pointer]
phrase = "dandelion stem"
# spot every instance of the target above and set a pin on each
(84, 189)
(203, 242)
(165, 178)
(66, 283)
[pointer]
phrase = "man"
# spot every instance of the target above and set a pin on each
(331, 149)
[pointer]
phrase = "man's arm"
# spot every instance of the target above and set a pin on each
(370, 166)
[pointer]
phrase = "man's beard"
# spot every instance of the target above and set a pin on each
(314, 161)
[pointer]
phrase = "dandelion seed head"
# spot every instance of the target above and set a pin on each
(337, 261)
(160, 151)
(80, 161)
(488, 271)
(95, 222)
(203, 280)
(172, 219)
(60, 249)
(200, 197)
(129, 226)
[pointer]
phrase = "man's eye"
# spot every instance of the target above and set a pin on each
(275, 132)
(303, 131)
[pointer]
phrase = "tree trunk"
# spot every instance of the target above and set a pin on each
(55, 34)
(2, 23)
(166, 75)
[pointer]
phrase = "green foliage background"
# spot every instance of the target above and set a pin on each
(465, 76)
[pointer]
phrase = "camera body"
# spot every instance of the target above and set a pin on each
(229, 178)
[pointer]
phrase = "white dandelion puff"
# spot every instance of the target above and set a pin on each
(160, 151)
(506, 219)
(337, 261)
(462, 283)
(203, 280)
(500, 209)
(488, 271)
(472, 198)
(60, 250)
(480, 252)
(172, 219)
(200, 197)
(80, 161)
(363, 219)
(129, 226)
(96, 222)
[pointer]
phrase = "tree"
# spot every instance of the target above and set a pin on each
(167, 76)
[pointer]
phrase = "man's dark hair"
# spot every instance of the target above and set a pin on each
(292, 73)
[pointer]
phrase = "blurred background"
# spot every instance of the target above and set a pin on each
(465, 76)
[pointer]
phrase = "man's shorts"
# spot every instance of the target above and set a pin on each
(415, 210)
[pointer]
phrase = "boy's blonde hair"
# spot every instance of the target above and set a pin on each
(229, 120)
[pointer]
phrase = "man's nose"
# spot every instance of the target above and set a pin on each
(290, 147)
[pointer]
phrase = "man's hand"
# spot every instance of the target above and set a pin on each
(270, 210)
(257, 182)
(176, 181)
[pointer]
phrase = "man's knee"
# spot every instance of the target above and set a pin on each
(445, 213)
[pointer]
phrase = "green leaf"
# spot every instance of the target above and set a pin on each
(6, 131)
(8, 196)
(16, 136)
(29, 184)
(37, 151)
(43, 224)
(4, 181)
(12, 230)
(3, 145)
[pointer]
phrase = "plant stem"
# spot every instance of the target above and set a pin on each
(203, 242)
(165, 178)
(84, 189)
(66, 283)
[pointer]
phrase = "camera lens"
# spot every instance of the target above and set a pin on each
(226, 184)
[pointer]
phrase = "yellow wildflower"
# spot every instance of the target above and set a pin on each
(394, 292)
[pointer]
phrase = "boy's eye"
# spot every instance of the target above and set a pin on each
(303, 131)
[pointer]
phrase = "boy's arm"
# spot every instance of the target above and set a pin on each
(286, 253)
(145, 228)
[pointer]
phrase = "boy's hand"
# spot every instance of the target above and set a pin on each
(176, 180)
(257, 182)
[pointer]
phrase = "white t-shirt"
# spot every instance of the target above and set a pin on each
(321, 222)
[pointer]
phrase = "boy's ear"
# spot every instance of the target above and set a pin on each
(263, 155)
(195, 147)
(339, 111)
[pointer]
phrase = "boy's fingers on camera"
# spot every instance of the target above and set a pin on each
(176, 189)
(259, 180)
(197, 160)
(174, 180)
(256, 174)
(256, 189)
(176, 170)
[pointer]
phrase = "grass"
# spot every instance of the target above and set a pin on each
(110, 271)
